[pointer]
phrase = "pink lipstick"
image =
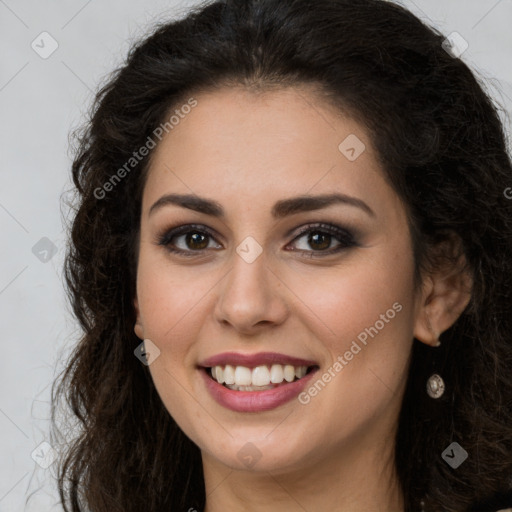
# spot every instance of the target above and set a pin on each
(280, 378)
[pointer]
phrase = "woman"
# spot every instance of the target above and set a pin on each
(229, 361)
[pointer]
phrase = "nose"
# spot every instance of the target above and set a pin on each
(251, 297)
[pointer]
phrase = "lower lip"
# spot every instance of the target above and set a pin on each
(255, 401)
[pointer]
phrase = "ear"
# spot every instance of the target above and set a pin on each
(445, 293)
(138, 329)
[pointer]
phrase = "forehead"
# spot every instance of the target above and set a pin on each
(237, 142)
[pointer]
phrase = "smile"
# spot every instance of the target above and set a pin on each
(256, 382)
(242, 378)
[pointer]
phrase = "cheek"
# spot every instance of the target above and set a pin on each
(170, 303)
(364, 321)
(363, 316)
(343, 301)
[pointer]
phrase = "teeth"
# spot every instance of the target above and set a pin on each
(229, 374)
(242, 378)
(300, 371)
(234, 387)
(260, 376)
(289, 373)
(276, 374)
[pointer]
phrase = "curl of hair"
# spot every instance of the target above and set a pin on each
(442, 147)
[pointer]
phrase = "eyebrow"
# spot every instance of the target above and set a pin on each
(282, 208)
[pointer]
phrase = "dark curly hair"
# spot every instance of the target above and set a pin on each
(442, 145)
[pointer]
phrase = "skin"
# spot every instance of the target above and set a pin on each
(246, 151)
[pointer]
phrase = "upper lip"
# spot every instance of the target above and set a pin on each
(252, 360)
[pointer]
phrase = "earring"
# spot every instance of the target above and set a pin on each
(435, 386)
(435, 383)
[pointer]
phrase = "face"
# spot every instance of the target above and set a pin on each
(272, 286)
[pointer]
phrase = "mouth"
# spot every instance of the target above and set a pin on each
(255, 382)
(257, 378)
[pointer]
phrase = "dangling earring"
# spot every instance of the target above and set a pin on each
(435, 383)
(435, 386)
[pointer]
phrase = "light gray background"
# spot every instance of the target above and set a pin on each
(41, 101)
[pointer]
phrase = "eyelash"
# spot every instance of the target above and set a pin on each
(345, 237)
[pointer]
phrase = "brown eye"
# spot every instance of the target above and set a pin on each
(319, 238)
(191, 240)
(194, 240)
